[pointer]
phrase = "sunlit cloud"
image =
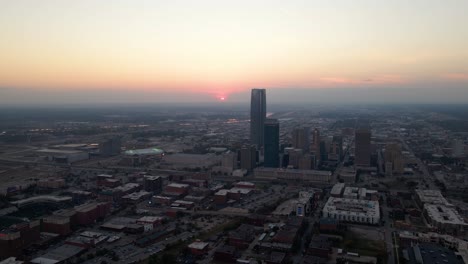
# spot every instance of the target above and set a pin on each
(383, 79)
(456, 76)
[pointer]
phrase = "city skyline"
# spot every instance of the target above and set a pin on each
(143, 52)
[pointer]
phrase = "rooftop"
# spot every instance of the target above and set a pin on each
(431, 253)
(146, 151)
(150, 219)
(42, 198)
(198, 245)
(431, 197)
(178, 185)
(59, 254)
(337, 189)
(352, 206)
(443, 214)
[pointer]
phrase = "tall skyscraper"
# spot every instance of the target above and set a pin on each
(300, 138)
(316, 145)
(362, 150)
(257, 117)
(271, 148)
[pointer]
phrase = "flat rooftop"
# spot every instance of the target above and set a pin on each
(352, 207)
(443, 214)
(431, 197)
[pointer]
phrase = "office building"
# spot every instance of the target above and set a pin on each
(300, 138)
(336, 149)
(257, 117)
(362, 147)
(271, 149)
(248, 156)
(110, 147)
(316, 146)
(229, 160)
(294, 157)
(394, 156)
(307, 162)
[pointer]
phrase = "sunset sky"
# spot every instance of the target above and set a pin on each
(199, 51)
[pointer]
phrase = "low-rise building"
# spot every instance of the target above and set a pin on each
(444, 218)
(328, 224)
(136, 197)
(320, 246)
(198, 248)
(293, 174)
(352, 210)
(242, 236)
(183, 204)
(56, 224)
(162, 200)
(337, 190)
(358, 193)
(150, 222)
(176, 189)
(244, 185)
(348, 175)
(430, 253)
(88, 213)
(60, 254)
(430, 197)
(51, 183)
(17, 237)
(226, 254)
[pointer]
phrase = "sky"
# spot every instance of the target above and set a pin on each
(88, 51)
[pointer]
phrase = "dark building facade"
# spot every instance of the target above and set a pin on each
(362, 153)
(248, 157)
(257, 116)
(316, 146)
(153, 184)
(110, 147)
(300, 138)
(271, 142)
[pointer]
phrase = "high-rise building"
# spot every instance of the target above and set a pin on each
(394, 156)
(307, 162)
(300, 138)
(362, 151)
(229, 160)
(294, 157)
(248, 156)
(257, 117)
(336, 149)
(110, 147)
(316, 144)
(271, 149)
